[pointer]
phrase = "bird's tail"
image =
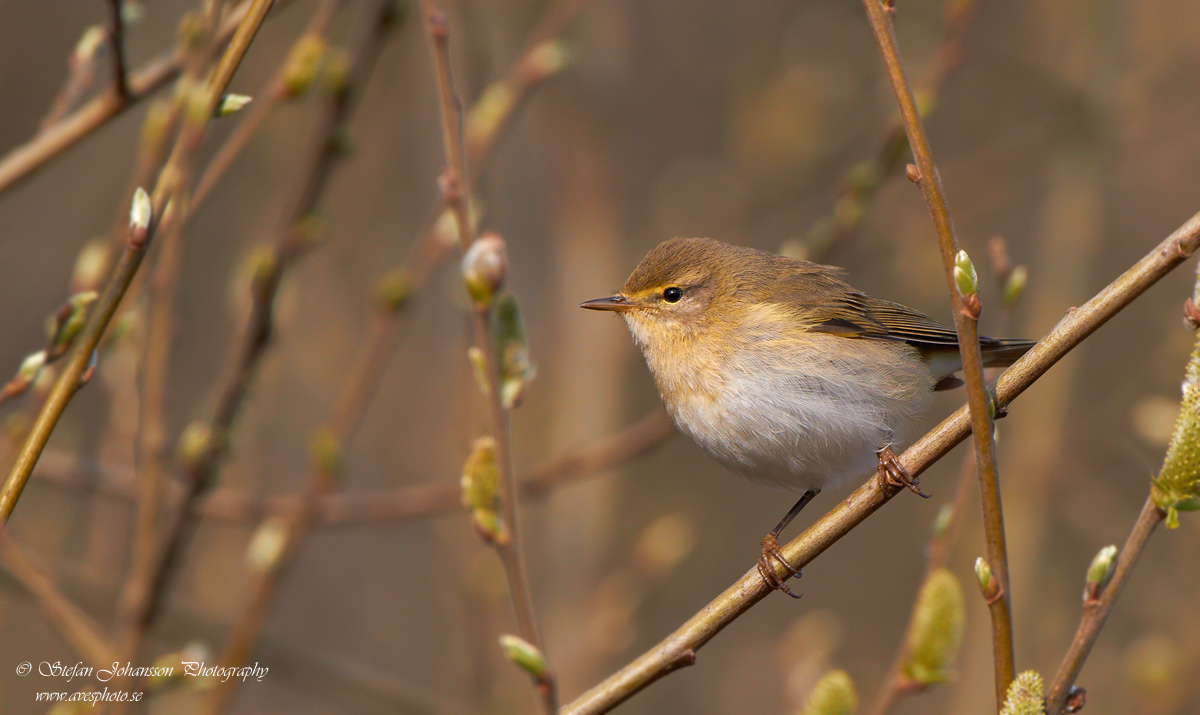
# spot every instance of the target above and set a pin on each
(1002, 352)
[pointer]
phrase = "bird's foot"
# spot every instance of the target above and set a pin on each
(895, 473)
(771, 555)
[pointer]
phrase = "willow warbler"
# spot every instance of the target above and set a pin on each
(780, 370)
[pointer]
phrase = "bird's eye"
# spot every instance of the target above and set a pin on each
(673, 294)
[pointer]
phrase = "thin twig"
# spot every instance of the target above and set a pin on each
(116, 46)
(22, 161)
(152, 429)
(75, 626)
(679, 648)
(377, 20)
(131, 258)
(273, 92)
(863, 180)
(966, 323)
(455, 185)
(1095, 612)
(381, 507)
(290, 243)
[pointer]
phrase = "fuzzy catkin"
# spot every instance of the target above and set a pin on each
(1025, 695)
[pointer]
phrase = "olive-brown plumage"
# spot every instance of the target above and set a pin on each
(780, 369)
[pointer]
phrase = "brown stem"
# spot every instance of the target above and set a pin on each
(455, 185)
(1077, 325)
(352, 405)
(116, 41)
(862, 181)
(400, 504)
(22, 161)
(75, 626)
(1095, 613)
(967, 326)
(272, 93)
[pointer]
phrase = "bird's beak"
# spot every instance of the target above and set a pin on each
(617, 302)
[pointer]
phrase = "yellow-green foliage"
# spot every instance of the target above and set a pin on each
(833, 694)
(936, 629)
(480, 483)
(1025, 695)
(1178, 485)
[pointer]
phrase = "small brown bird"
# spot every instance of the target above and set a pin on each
(780, 370)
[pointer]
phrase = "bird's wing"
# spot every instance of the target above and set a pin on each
(858, 315)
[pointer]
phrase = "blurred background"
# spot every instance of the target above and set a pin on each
(1069, 129)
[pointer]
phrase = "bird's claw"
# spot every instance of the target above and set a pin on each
(771, 555)
(895, 473)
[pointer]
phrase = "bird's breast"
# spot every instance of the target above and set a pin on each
(798, 413)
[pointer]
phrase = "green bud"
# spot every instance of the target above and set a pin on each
(1102, 566)
(1015, 285)
(484, 268)
(1025, 695)
(526, 655)
(261, 264)
(231, 104)
(194, 444)
(141, 211)
(66, 325)
(983, 573)
(326, 451)
(303, 62)
(31, 366)
(834, 694)
(479, 368)
(1177, 487)
(394, 289)
(480, 490)
(267, 545)
(936, 630)
(512, 351)
(93, 39)
(965, 276)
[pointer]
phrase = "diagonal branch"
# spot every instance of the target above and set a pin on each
(1095, 612)
(679, 648)
(75, 626)
(377, 20)
(22, 161)
(966, 317)
(377, 507)
(127, 266)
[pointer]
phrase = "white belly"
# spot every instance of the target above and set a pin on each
(817, 424)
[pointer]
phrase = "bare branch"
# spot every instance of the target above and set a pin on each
(966, 323)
